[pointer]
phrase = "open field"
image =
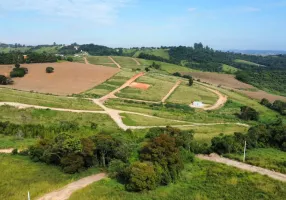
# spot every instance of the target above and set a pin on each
(9, 95)
(200, 180)
(138, 120)
(247, 62)
(68, 78)
(20, 175)
(229, 69)
(229, 81)
(109, 85)
(269, 158)
(7, 142)
(101, 60)
(127, 62)
(159, 87)
(185, 94)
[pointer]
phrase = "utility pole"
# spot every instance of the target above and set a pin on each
(244, 153)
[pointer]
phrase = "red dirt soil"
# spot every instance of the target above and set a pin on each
(141, 86)
(68, 78)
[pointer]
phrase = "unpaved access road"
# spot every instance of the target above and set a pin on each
(243, 166)
(137, 62)
(67, 191)
(86, 61)
(114, 62)
(6, 151)
(171, 91)
(220, 102)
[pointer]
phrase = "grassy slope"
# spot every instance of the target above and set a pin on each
(163, 53)
(101, 60)
(201, 180)
(269, 158)
(12, 142)
(8, 95)
(229, 69)
(185, 94)
(138, 120)
(109, 85)
(20, 175)
(246, 62)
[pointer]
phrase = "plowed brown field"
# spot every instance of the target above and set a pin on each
(68, 78)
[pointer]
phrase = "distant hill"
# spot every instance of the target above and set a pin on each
(259, 52)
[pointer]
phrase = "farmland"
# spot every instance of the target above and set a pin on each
(68, 78)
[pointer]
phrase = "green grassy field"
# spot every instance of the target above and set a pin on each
(246, 62)
(269, 158)
(50, 49)
(127, 62)
(139, 120)
(13, 142)
(109, 85)
(185, 94)
(101, 60)
(163, 53)
(200, 180)
(20, 175)
(159, 87)
(229, 69)
(9, 95)
(78, 59)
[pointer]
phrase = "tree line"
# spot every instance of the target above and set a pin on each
(32, 57)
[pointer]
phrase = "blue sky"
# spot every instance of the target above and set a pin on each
(221, 24)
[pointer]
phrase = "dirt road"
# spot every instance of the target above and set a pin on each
(220, 102)
(171, 91)
(86, 61)
(114, 62)
(67, 191)
(137, 62)
(247, 167)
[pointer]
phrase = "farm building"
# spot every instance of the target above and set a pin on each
(198, 104)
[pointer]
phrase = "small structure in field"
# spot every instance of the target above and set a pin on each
(198, 104)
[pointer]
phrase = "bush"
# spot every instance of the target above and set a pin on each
(49, 70)
(5, 81)
(248, 113)
(70, 59)
(72, 163)
(15, 152)
(17, 72)
(17, 65)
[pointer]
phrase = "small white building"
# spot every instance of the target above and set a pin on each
(198, 104)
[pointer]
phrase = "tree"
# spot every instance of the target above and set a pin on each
(248, 113)
(17, 65)
(142, 176)
(49, 70)
(191, 81)
(147, 69)
(265, 102)
(72, 163)
(70, 59)
(5, 81)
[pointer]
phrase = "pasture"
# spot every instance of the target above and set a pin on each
(229, 69)
(247, 62)
(68, 78)
(101, 60)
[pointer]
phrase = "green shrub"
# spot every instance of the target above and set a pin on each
(49, 70)
(72, 163)
(15, 152)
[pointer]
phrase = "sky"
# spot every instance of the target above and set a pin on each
(220, 24)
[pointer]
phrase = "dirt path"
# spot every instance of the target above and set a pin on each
(247, 167)
(6, 151)
(67, 191)
(126, 84)
(24, 106)
(220, 102)
(114, 62)
(86, 61)
(171, 91)
(137, 62)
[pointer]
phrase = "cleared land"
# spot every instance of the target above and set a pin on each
(186, 95)
(229, 69)
(247, 62)
(157, 90)
(68, 78)
(200, 180)
(9, 95)
(19, 175)
(269, 158)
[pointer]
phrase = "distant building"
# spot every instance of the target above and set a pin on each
(198, 104)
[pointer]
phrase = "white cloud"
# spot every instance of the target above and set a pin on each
(100, 11)
(251, 9)
(192, 9)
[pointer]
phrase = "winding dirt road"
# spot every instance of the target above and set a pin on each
(137, 62)
(67, 191)
(171, 91)
(243, 166)
(114, 62)
(6, 151)
(220, 102)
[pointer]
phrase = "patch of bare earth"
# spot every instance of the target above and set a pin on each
(229, 82)
(68, 78)
(141, 86)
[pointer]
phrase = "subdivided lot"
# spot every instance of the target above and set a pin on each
(20, 175)
(126, 62)
(110, 85)
(9, 95)
(247, 62)
(159, 87)
(269, 158)
(101, 60)
(163, 53)
(68, 78)
(185, 94)
(200, 180)
(139, 120)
